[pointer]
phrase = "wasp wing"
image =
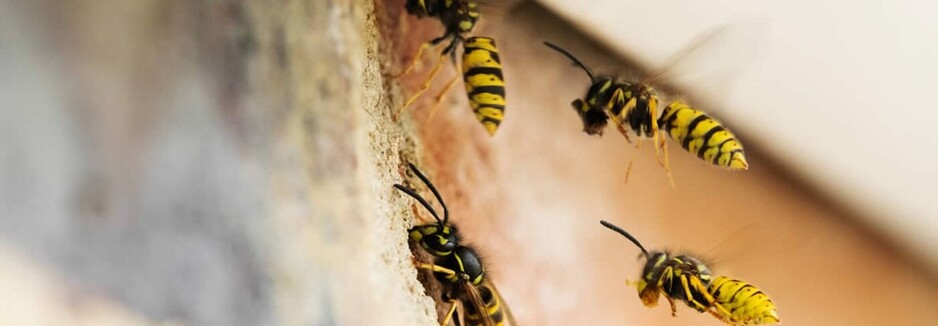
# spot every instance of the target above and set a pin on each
(476, 303)
(497, 10)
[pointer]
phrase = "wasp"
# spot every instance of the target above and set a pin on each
(481, 65)
(633, 108)
(688, 279)
(457, 266)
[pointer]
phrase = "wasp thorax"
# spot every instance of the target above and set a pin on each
(457, 16)
(468, 13)
(697, 267)
(644, 92)
(467, 264)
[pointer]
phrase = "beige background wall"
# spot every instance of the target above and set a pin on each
(532, 197)
(839, 91)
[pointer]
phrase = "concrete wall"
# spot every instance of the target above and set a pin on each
(205, 163)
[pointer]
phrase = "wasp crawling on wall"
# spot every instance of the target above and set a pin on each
(687, 279)
(458, 267)
(481, 65)
(633, 107)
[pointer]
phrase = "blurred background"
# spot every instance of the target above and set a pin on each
(231, 162)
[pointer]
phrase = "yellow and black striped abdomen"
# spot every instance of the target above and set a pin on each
(700, 134)
(485, 85)
(494, 308)
(747, 305)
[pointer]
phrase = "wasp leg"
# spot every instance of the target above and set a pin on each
(722, 318)
(668, 272)
(715, 309)
(419, 55)
(414, 61)
(436, 268)
(697, 284)
(449, 314)
(667, 160)
(423, 88)
(690, 297)
(661, 146)
(618, 99)
(626, 109)
(653, 112)
(625, 133)
(673, 307)
(439, 99)
(628, 171)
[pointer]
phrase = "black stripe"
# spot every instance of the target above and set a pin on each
(483, 70)
(755, 295)
(494, 106)
(670, 121)
(494, 55)
(492, 120)
(741, 306)
(716, 158)
(690, 128)
(498, 90)
(706, 139)
(740, 289)
(720, 288)
(665, 124)
(730, 159)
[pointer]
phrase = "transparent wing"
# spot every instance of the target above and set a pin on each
(713, 58)
(476, 303)
(497, 10)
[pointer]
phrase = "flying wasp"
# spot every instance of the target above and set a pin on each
(688, 279)
(458, 267)
(481, 65)
(633, 107)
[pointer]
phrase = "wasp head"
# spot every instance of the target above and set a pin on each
(438, 240)
(594, 119)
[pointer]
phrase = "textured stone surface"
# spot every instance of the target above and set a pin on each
(207, 163)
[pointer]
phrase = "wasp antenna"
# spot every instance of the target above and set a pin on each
(435, 193)
(419, 198)
(627, 235)
(589, 72)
